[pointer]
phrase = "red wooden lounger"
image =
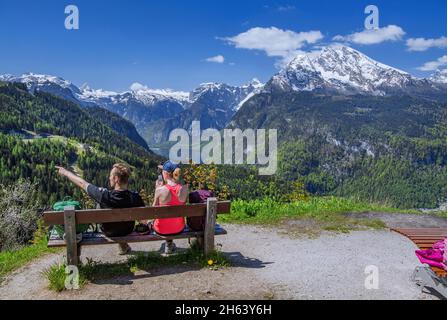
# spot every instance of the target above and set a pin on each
(426, 276)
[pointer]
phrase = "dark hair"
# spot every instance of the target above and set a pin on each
(121, 171)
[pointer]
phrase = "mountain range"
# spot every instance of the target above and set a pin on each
(350, 126)
(341, 69)
(154, 112)
(347, 124)
(336, 69)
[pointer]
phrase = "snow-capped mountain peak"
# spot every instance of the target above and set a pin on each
(7, 77)
(143, 92)
(440, 76)
(91, 94)
(214, 93)
(138, 92)
(250, 89)
(226, 97)
(85, 86)
(39, 81)
(255, 83)
(340, 68)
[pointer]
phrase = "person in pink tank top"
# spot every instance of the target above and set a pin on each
(169, 192)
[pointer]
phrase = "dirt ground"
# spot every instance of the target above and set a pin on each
(267, 263)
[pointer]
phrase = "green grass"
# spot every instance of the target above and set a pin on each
(94, 271)
(13, 260)
(328, 211)
(321, 208)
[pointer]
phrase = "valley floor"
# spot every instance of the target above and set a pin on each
(267, 264)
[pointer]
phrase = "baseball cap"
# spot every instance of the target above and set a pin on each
(168, 166)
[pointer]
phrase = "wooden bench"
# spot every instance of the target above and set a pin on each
(70, 218)
(426, 276)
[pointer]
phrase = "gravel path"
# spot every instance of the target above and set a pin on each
(268, 264)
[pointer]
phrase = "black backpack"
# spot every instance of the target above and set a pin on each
(200, 196)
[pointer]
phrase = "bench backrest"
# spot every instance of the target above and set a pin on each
(135, 214)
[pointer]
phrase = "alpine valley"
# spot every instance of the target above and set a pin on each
(348, 125)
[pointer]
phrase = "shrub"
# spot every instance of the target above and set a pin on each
(203, 176)
(19, 214)
(298, 192)
(200, 176)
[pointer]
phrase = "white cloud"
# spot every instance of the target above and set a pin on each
(434, 65)
(216, 59)
(422, 44)
(374, 36)
(137, 87)
(275, 42)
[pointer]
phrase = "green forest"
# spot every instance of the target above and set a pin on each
(391, 150)
(382, 150)
(40, 131)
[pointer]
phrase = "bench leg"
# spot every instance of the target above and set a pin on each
(200, 242)
(70, 236)
(210, 225)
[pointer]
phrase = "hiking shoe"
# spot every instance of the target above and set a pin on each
(168, 247)
(124, 249)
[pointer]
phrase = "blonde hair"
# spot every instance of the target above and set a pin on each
(121, 171)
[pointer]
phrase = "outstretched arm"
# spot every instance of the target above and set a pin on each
(81, 183)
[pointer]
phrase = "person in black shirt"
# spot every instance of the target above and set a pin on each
(118, 197)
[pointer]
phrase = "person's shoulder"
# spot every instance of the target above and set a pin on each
(136, 199)
(95, 191)
(95, 188)
(162, 190)
(134, 194)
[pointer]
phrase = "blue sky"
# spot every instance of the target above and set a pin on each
(165, 44)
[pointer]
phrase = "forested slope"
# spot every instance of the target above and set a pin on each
(40, 130)
(389, 149)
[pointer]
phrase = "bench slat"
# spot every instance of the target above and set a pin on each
(426, 241)
(100, 239)
(135, 214)
(425, 238)
(422, 231)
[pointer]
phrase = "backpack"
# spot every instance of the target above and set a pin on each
(59, 206)
(200, 196)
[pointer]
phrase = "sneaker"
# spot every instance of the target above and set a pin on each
(170, 247)
(124, 249)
